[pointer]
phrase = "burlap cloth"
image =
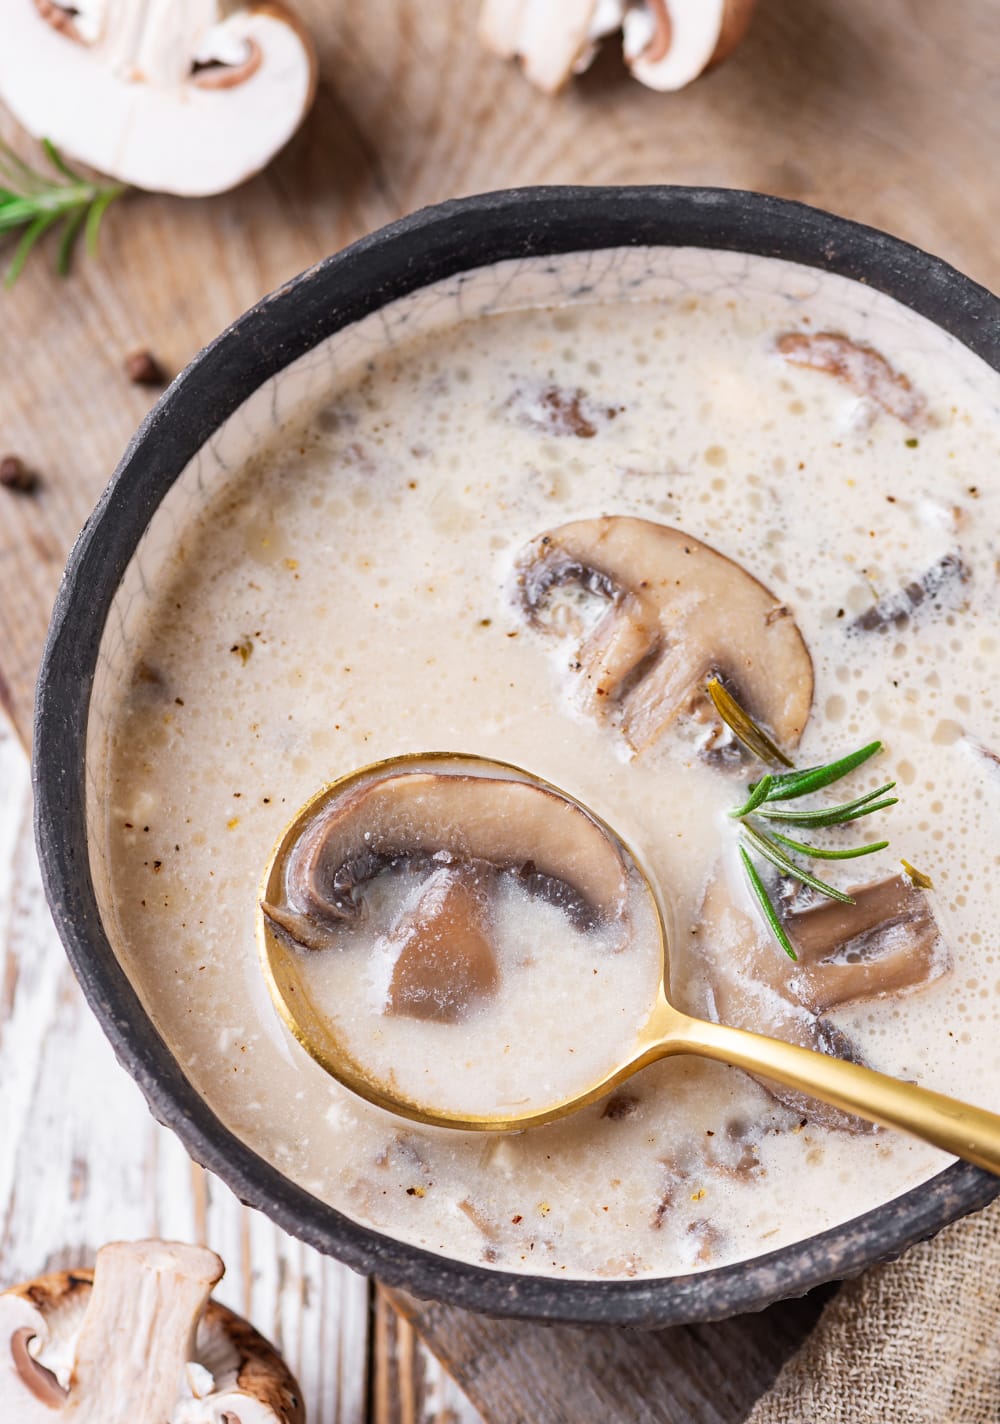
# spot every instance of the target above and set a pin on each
(913, 1342)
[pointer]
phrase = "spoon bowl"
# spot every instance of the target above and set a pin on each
(962, 1129)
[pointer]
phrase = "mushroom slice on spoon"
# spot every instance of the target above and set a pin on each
(179, 96)
(459, 832)
(447, 818)
(678, 612)
(442, 948)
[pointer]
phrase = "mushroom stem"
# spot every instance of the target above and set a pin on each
(139, 1331)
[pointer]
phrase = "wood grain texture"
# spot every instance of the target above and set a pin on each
(519, 1372)
(887, 112)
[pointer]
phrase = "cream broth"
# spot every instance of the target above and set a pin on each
(351, 591)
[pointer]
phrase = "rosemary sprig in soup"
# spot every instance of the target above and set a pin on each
(760, 840)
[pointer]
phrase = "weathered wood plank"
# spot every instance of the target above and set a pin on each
(518, 1372)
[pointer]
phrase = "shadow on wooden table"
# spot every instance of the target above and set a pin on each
(697, 1374)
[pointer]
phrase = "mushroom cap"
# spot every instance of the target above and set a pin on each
(39, 1315)
(668, 43)
(253, 1385)
(194, 105)
(498, 820)
(678, 613)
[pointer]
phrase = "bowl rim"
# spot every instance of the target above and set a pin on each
(435, 243)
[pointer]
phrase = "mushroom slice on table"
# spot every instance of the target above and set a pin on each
(38, 1322)
(178, 96)
(668, 43)
(553, 39)
(137, 1341)
(678, 613)
(460, 833)
(886, 943)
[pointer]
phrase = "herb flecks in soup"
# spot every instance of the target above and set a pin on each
(366, 579)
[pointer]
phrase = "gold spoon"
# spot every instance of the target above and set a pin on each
(956, 1127)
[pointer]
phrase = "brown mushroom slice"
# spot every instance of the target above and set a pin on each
(939, 586)
(886, 943)
(678, 612)
(251, 1384)
(444, 959)
(138, 1339)
(451, 819)
(860, 368)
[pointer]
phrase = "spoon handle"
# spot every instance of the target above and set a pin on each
(966, 1131)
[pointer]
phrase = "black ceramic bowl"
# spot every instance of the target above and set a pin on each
(435, 244)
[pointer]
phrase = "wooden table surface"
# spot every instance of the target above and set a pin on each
(884, 110)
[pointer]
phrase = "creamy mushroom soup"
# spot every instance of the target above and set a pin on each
(525, 514)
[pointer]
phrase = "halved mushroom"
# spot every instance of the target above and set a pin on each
(187, 96)
(552, 38)
(886, 943)
(667, 43)
(678, 613)
(860, 368)
(138, 1339)
(462, 832)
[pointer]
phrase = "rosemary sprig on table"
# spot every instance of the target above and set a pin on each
(763, 810)
(33, 202)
